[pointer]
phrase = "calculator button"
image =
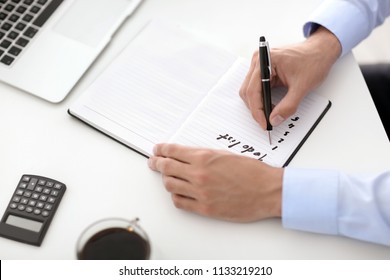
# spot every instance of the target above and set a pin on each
(26, 178)
(24, 201)
(37, 211)
(58, 186)
(45, 213)
(32, 184)
(13, 205)
(32, 203)
(48, 206)
(51, 199)
(23, 185)
(46, 191)
(39, 189)
(27, 194)
(41, 182)
(40, 204)
(21, 207)
(49, 184)
(19, 192)
(16, 199)
(54, 193)
(29, 209)
(43, 197)
(35, 196)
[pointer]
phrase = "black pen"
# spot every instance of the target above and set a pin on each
(265, 68)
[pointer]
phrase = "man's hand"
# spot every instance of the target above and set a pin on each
(219, 184)
(300, 68)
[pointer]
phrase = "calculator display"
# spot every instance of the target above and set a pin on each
(24, 223)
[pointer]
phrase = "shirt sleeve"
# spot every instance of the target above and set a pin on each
(351, 21)
(332, 202)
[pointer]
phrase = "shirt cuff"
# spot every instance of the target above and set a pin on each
(345, 20)
(310, 200)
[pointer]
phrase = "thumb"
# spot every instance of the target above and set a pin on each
(287, 106)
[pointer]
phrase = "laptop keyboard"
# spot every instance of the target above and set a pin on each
(20, 21)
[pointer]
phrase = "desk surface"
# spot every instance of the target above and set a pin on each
(105, 179)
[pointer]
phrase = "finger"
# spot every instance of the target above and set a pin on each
(170, 167)
(245, 84)
(193, 205)
(185, 203)
(178, 186)
(286, 107)
(175, 151)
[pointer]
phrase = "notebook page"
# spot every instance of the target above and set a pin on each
(222, 121)
(152, 86)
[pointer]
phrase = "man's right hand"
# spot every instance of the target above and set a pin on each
(300, 68)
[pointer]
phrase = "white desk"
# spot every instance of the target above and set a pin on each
(106, 179)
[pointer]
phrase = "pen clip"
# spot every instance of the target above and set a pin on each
(269, 59)
(263, 43)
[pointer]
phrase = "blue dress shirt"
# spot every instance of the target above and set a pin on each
(350, 20)
(329, 201)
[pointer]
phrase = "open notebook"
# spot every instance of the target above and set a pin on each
(168, 86)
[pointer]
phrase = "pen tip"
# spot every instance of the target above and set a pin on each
(269, 137)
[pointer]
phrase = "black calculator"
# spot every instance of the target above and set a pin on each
(31, 209)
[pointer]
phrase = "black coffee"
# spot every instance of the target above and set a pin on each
(115, 244)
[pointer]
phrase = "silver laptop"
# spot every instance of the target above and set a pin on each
(47, 45)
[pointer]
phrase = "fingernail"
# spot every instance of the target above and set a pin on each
(277, 120)
(150, 162)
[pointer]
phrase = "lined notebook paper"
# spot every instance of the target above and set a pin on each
(169, 86)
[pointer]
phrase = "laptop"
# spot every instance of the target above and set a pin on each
(47, 45)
